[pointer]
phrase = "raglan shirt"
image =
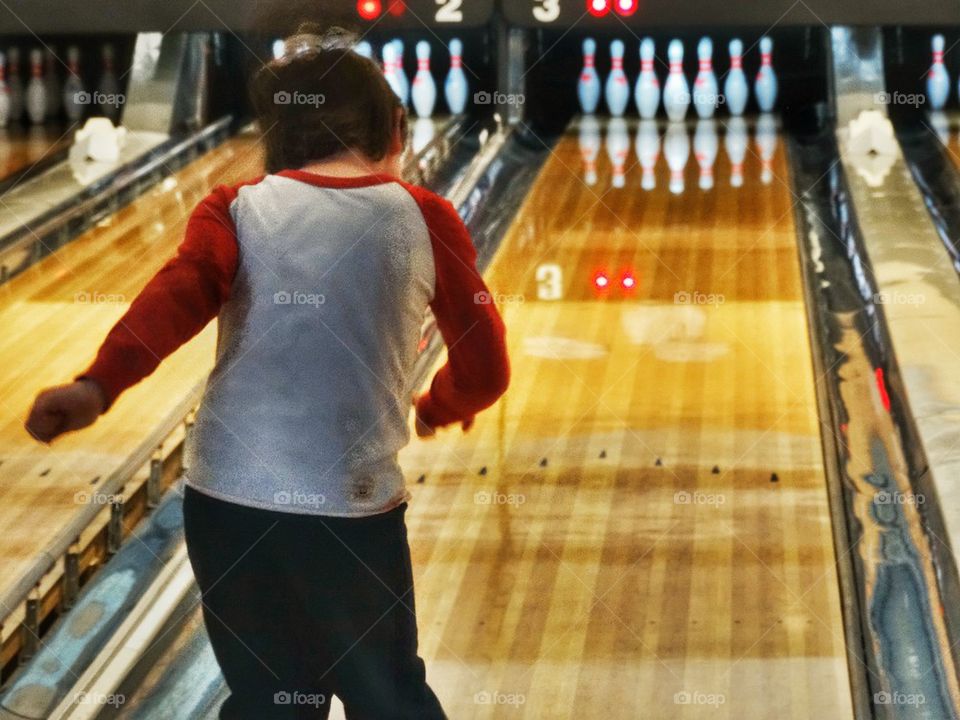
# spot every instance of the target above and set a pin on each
(319, 285)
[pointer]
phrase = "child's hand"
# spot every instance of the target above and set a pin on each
(425, 430)
(64, 408)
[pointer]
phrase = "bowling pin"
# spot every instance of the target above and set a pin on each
(455, 87)
(648, 152)
(53, 85)
(588, 87)
(941, 125)
(109, 89)
(676, 149)
(423, 133)
(618, 146)
(424, 92)
(364, 49)
(676, 91)
(765, 86)
(36, 97)
(705, 86)
(589, 147)
(735, 89)
(705, 148)
(617, 90)
(402, 74)
(735, 143)
(938, 82)
(390, 69)
(4, 93)
(766, 139)
(647, 91)
(73, 86)
(14, 84)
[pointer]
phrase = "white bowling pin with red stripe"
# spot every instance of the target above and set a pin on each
(766, 139)
(705, 87)
(647, 91)
(735, 88)
(765, 86)
(588, 86)
(617, 90)
(73, 92)
(36, 98)
(14, 85)
(424, 91)
(938, 82)
(109, 87)
(676, 90)
(456, 89)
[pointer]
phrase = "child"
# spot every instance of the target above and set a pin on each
(319, 274)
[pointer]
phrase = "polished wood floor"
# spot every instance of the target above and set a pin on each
(55, 315)
(640, 527)
(21, 147)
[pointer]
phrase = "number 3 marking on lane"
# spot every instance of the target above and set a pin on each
(546, 10)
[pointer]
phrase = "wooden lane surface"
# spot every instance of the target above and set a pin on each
(560, 572)
(55, 315)
(21, 147)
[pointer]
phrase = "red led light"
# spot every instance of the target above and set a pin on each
(628, 281)
(599, 8)
(626, 7)
(369, 9)
(397, 7)
(601, 280)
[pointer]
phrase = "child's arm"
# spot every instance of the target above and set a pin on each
(173, 307)
(477, 371)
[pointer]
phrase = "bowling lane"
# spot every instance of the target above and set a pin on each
(22, 147)
(56, 313)
(640, 527)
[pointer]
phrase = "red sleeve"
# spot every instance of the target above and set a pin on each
(176, 304)
(477, 371)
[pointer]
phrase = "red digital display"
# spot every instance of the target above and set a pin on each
(369, 9)
(599, 8)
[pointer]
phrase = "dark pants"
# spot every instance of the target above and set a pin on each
(299, 608)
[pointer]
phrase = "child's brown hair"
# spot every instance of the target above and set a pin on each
(322, 98)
